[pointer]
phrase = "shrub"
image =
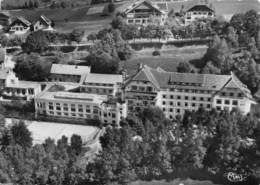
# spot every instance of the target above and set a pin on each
(156, 53)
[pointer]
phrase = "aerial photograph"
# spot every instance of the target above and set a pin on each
(129, 92)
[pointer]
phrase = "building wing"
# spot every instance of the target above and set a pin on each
(69, 69)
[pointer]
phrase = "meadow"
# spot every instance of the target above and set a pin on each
(168, 60)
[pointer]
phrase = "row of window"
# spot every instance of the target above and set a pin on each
(91, 90)
(231, 94)
(191, 91)
(20, 91)
(141, 88)
(99, 84)
(188, 104)
(227, 102)
(194, 98)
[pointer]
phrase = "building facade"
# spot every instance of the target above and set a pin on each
(80, 106)
(176, 93)
(103, 84)
(68, 73)
(198, 12)
(144, 12)
(13, 88)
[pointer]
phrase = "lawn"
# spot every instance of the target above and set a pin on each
(169, 59)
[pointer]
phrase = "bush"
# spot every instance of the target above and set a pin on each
(111, 7)
(156, 53)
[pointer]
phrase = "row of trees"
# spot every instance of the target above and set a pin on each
(31, 4)
(40, 41)
(106, 54)
(202, 143)
(48, 163)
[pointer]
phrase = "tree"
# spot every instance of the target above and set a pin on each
(31, 5)
(237, 22)
(111, 7)
(252, 23)
(32, 67)
(118, 23)
(184, 67)
(36, 42)
(21, 135)
(92, 37)
(76, 143)
(25, 5)
(77, 35)
(36, 4)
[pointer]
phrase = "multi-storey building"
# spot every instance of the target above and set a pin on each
(13, 88)
(143, 12)
(68, 73)
(80, 106)
(103, 84)
(200, 11)
(176, 92)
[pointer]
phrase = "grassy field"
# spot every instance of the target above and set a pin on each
(169, 59)
(175, 182)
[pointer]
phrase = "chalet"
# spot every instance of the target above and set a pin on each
(198, 12)
(143, 12)
(19, 26)
(43, 23)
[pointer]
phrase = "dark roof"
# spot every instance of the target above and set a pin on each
(45, 19)
(162, 79)
(202, 8)
(22, 20)
(129, 6)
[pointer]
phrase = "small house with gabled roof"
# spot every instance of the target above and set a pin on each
(42, 23)
(199, 11)
(19, 25)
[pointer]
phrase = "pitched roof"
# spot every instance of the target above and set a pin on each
(200, 7)
(162, 79)
(23, 20)
(45, 19)
(127, 7)
(103, 78)
(69, 69)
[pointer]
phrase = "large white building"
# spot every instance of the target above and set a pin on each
(86, 106)
(144, 12)
(200, 11)
(176, 92)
